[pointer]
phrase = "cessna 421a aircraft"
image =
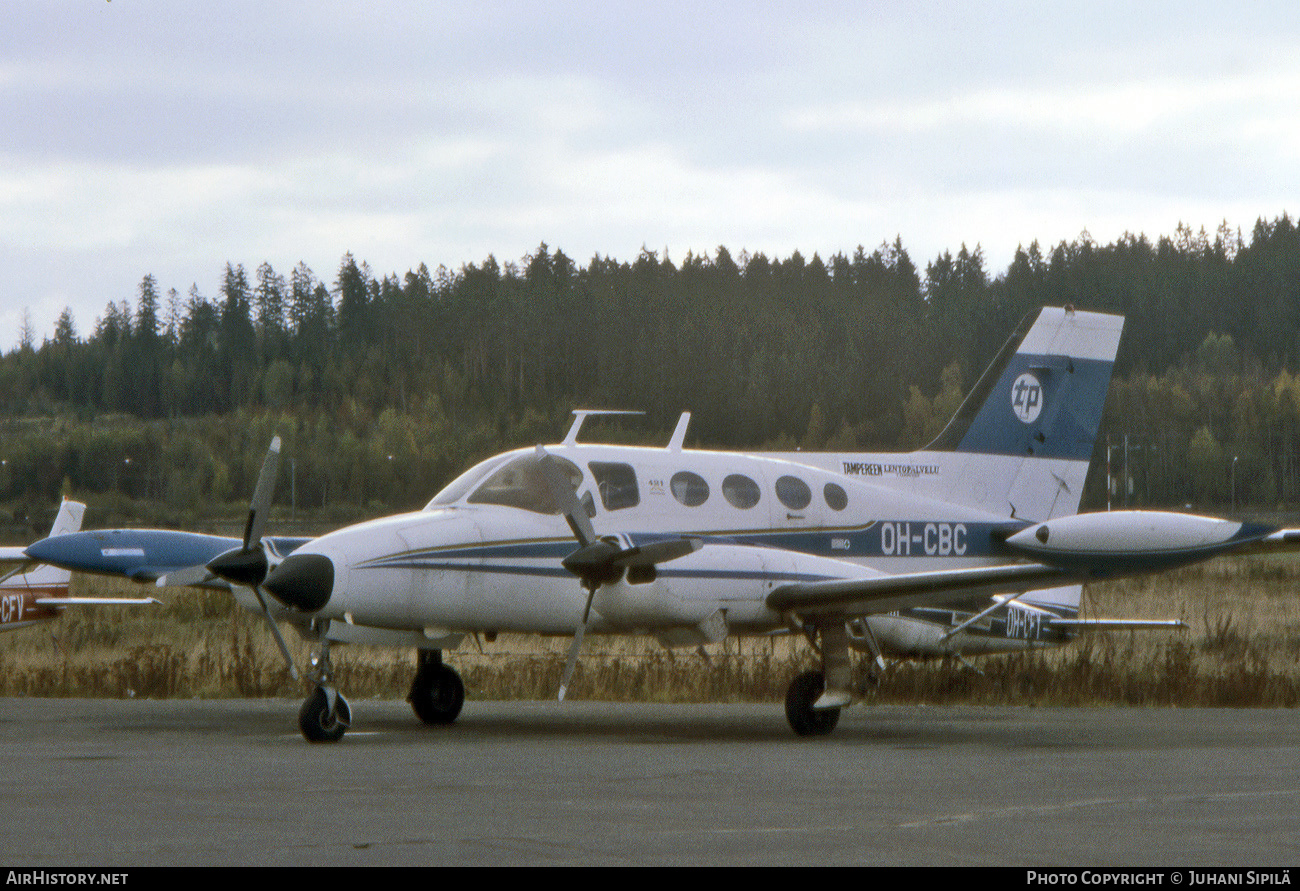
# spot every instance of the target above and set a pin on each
(970, 545)
(31, 592)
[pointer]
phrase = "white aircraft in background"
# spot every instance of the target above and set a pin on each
(31, 592)
(971, 545)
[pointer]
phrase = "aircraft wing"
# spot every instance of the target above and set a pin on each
(1116, 624)
(1071, 549)
(885, 593)
(61, 602)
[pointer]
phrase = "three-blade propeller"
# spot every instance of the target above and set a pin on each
(598, 561)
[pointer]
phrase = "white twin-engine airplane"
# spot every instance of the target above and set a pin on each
(972, 545)
(32, 592)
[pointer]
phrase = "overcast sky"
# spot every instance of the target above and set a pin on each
(173, 137)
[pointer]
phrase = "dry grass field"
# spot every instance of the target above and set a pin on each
(1241, 648)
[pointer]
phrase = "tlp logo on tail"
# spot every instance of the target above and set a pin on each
(1027, 398)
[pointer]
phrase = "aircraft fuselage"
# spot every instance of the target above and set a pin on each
(486, 554)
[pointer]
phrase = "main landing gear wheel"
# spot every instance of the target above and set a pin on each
(804, 719)
(437, 693)
(321, 722)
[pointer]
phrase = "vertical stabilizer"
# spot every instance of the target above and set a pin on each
(1022, 441)
(69, 518)
(27, 591)
(54, 578)
(1044, 395)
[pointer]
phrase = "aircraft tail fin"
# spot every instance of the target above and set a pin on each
(1031, 421)
(69, 519)
(28, 587)
(50, 577)
(1044, 394)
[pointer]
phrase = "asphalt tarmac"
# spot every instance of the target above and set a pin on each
(158, 783)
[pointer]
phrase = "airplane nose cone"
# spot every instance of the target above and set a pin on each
(302, 581)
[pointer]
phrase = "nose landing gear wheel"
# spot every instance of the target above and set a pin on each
(319, 722)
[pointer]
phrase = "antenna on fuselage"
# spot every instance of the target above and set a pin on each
(679, 435)
(581, 414)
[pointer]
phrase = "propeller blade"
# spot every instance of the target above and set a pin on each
(567, 499)
(262, 495)
(249, 565)
(191, 576)
(275, 630)
(598, 561)
(571, 660)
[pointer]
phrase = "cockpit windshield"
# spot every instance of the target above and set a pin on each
(457, 488)
(522, 483)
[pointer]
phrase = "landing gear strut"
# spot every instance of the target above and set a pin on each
(325, 715)
(437, 693)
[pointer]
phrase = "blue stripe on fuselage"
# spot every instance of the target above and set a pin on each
(891, 538)
(905, 538)
(561, 572)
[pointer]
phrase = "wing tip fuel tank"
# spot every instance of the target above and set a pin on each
(1129, 540)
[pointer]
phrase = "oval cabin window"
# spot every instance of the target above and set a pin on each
(740, 491)
(793, 492)
(689, 488)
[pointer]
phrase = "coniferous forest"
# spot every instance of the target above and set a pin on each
(386, 387)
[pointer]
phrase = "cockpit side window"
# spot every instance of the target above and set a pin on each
(617, 484)
(522, 483)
